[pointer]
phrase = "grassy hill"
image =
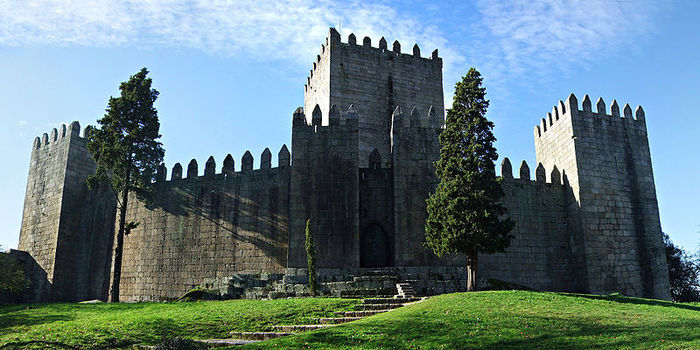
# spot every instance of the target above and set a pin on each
(489, 320)
(517, 320)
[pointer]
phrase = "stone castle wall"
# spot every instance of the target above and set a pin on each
(360, 169)
(210, 226)
(608, 165)
(376, 80)
(67, 228)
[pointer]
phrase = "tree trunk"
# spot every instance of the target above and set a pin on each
(471, 271)
(117, 275)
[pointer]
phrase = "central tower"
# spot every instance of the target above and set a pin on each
(376, 80)
(361, 168)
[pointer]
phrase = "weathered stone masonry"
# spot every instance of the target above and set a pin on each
(361, 167)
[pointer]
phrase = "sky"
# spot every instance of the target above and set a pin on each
(231, 73)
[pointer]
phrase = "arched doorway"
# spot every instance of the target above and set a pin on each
(374, 247)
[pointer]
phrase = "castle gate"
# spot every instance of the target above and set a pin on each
(374, 247)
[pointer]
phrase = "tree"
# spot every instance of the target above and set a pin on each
(683, 273)
(310, 246)
(464, 212)
(127, 153)
(12, 277)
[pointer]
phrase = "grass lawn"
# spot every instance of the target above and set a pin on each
(121, 325)
(489, 320)
(515, 320)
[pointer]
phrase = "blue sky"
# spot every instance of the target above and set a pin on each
(231, 73)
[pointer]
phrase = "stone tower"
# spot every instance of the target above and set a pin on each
(352, 146)
(66, 228)
(614, 216)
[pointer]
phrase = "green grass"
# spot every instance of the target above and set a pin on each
(121, 325)
(515, 320)
(486, 320)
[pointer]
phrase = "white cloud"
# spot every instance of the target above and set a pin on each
(546, 36)
(510, 38)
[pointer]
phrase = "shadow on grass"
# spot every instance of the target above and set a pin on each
(631, 300)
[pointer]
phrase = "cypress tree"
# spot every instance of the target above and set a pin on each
(127, 153)
(310, 246)
(464, 213)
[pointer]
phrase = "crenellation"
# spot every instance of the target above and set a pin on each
(396, 47)
(614, 109)
(586, 104)
(506, 169)
(524, 171)
(210, 167)
(177, 172)
(540, 174)
(192, 169)
(382, 44)
(266, 159)
(54, 135)
(247, 162)
(600, 106)
(45, 139)
(62, 131)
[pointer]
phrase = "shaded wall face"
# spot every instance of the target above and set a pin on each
(66, 228)
(619, 209)
(539, 255)
(325, 189)
(206, 227)
(617, 235)
(377, 241)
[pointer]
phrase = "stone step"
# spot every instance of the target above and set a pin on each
(336, 320)
(258, 335)
(220, 343)
(389, 300)
(360, 313)
(405, 289)
(300, 328)
(378, 306)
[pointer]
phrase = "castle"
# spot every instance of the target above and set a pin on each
(360, 167)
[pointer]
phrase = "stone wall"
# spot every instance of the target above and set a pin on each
(375, 80)
(325, 188)
(540, 253)
(208, 226)
(608, 165)
(66, 228)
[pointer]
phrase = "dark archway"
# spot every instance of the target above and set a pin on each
(374, 247)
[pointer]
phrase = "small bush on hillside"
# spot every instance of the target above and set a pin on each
(12, 277)
(683, 273)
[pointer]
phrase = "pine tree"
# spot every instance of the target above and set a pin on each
(464, 213)
(310, 246)
(127, 153)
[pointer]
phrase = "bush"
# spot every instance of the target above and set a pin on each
(12, 277)
(683, 273)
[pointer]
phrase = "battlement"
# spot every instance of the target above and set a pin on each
(569, 109)
(366, 47)
(56, 135)
(228, 169)
(416, 119)
(556, 177)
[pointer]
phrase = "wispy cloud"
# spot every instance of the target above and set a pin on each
(546, 36)
(509, 38)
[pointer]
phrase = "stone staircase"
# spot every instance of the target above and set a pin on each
(405, 290)
(368, 307)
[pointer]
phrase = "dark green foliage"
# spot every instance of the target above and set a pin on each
(126, 141)
(311, 257)
(199, 293)
(127, 153)
(683, 273)
(12, 277)
(464, 212)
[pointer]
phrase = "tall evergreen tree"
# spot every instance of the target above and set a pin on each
(464, 213)
(127, 153)
(310, 246)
